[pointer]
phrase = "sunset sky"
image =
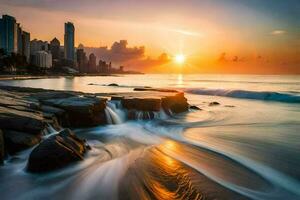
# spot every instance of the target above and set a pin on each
(216, 36)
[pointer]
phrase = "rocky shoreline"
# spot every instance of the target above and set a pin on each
(29, 115)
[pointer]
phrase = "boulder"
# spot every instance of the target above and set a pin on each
(28, 122)
(214, 103)
(1, 147)
(56, 152)
(17, 141)
(113, 84)
(193, 107)
(81, 111)
(142, 104)
(176, 103)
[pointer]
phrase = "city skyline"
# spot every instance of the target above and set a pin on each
(253, 39)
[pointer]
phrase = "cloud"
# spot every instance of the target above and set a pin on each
(278, 32)
(131, 57)
(118, 53)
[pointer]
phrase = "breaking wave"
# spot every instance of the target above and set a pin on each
(245, 94)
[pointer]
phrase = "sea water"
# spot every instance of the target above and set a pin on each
(247, 147)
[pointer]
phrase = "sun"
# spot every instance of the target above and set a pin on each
(180, 58)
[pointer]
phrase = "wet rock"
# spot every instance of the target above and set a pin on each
(154, 89)
(193, 107)
(1, 147)
(28, 122)
(56, 152)
(176, 103)
(17, 141)
(51, 95)
(81, 111)
(142, 104)
(113, 84)
(116, 98)
(214, 103)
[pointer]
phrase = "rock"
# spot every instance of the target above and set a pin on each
(28, 122)
(154, 89)
(176, 104)
(116, 98)
(195, 107)
(1, 147)
(56, 152)
(142, 104)
(52, 95)
(113, 84)
(214, 103)
(81, 111)
(17, 141)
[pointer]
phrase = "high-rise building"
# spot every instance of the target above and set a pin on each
(38, 45)
(26, 45)
(92, 63)
(19, 39)
(8, 34)
(55, 49)
(69, 41)
(43, 59)
(81, 60)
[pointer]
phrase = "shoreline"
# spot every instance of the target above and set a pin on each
(28, 77)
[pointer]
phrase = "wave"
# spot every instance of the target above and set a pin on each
(246, 94)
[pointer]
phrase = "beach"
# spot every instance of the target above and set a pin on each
(158, 137)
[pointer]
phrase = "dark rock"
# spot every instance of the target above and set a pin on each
(214, 103)
(176, 104)
(56, 152)
(230, 106)
(17, 141)
(142, 104)
(195, 107)
(81, 111)
(21, 121)
(113, 84)
(117, 98)
(154, 89)
(52, 95)
(1, 147)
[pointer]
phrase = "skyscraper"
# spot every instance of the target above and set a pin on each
(81, 60)
(69, 41)
(92, 63)
(55, 49)
(26, 45)
(8, 34)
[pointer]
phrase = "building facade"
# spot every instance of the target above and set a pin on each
(69, 41)
(92, 66)
(8, 34)
(81, 60)
(55, 49)
(26, 45)
(43, 59)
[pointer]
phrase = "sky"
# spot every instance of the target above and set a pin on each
(215, 36)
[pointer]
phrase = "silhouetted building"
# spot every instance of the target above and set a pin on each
(55, 49)
(103, 67)
(26, 45)
(81, 60)
(38, 45)
(69, 41)
(19, 39)
(92, 63)
(8, 34)
(43, 59)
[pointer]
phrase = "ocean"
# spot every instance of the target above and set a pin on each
(245, 147)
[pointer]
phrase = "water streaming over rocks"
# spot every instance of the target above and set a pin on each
(240, 149)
